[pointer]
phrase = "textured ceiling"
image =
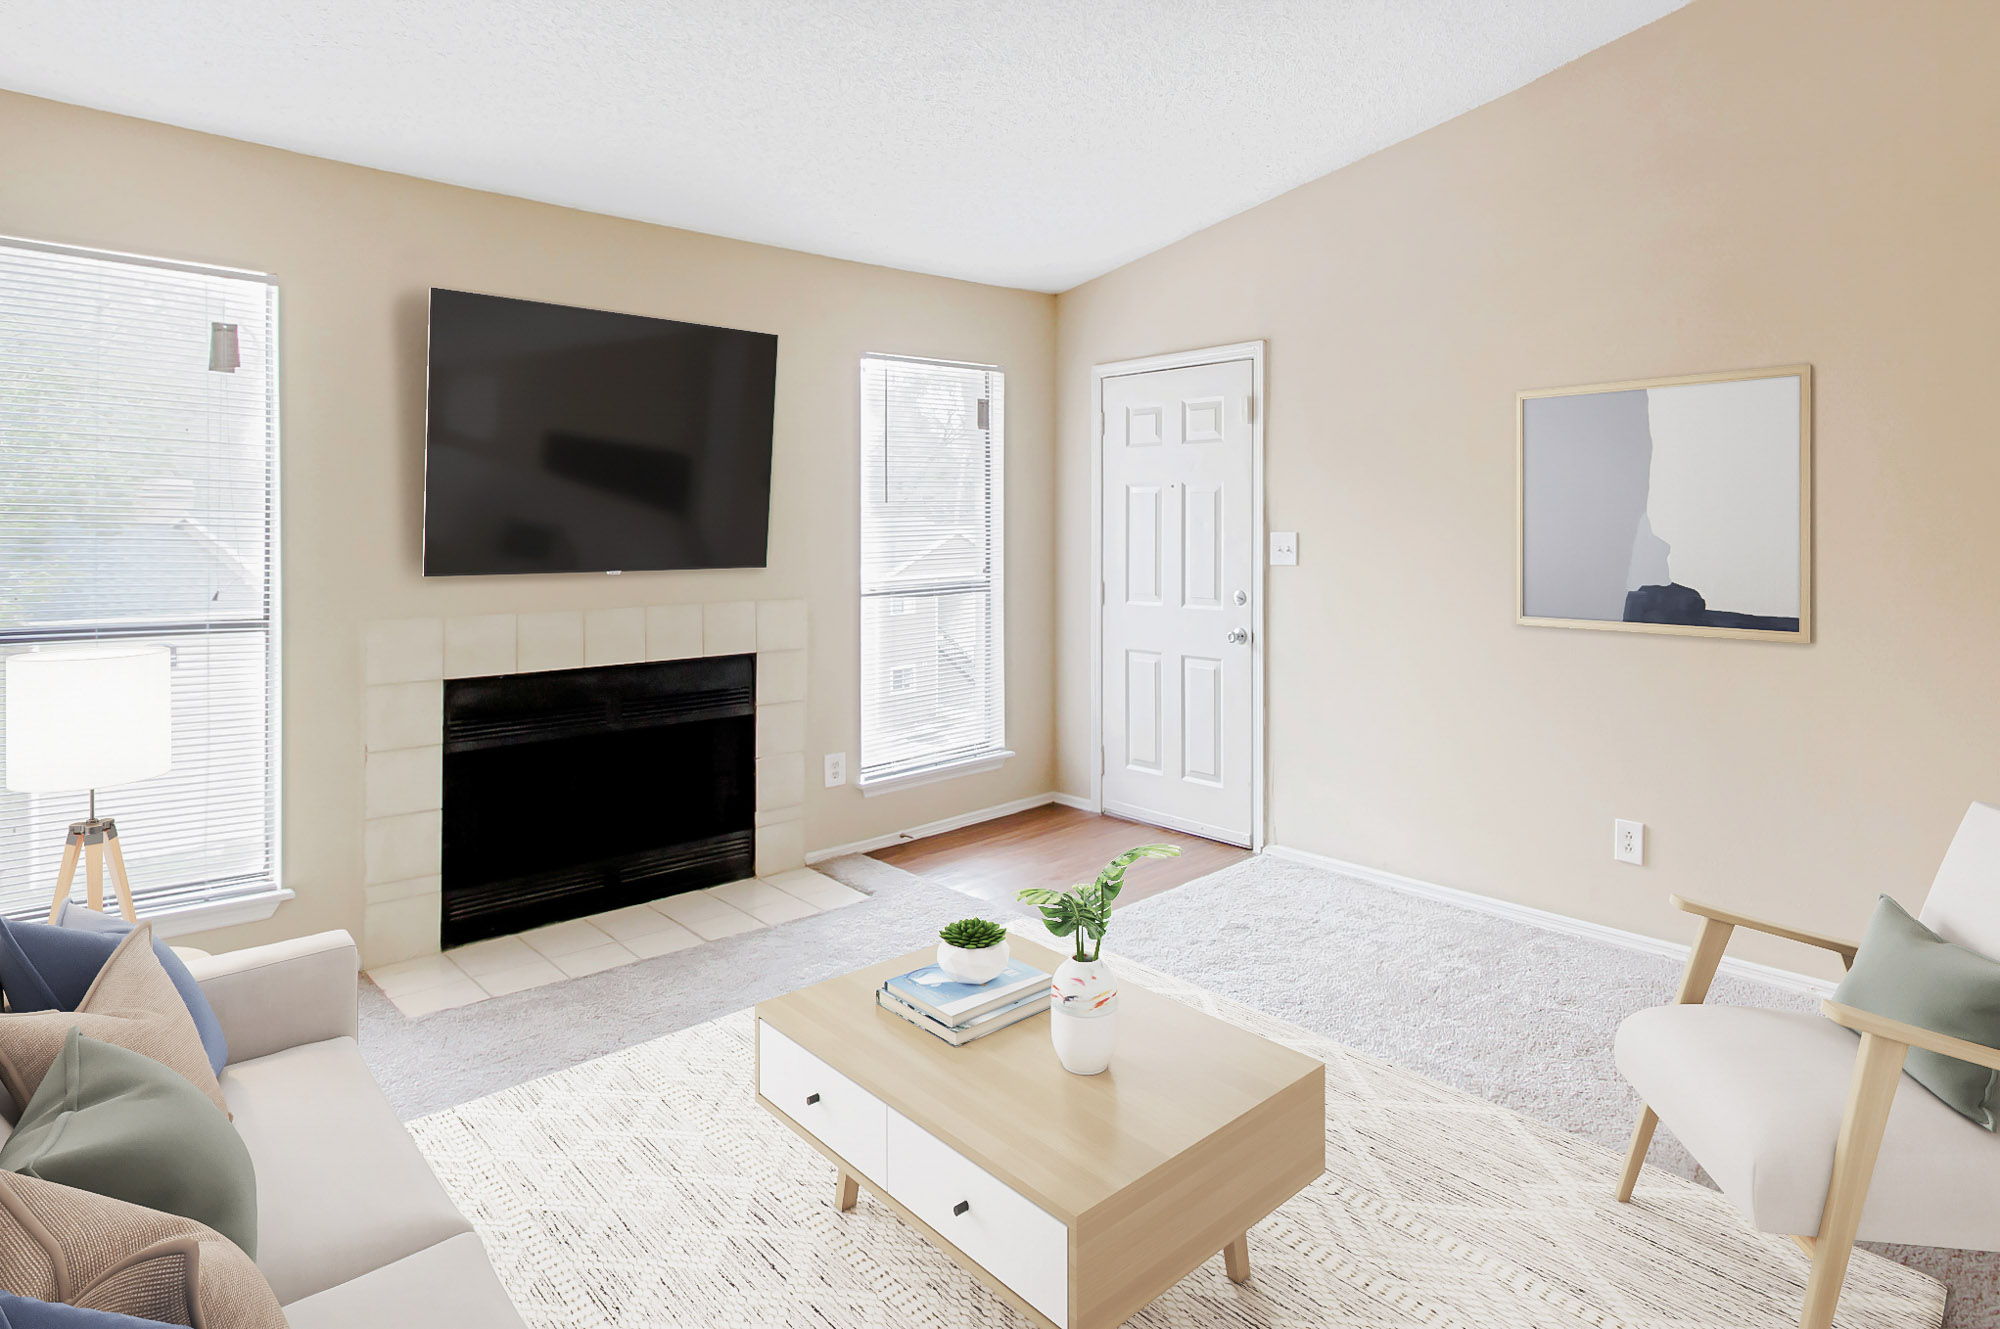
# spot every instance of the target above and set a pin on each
(1031, 143)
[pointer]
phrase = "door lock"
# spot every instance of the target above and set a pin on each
(1238, 636)
(1242, 598)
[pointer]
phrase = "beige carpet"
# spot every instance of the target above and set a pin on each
(647, 1188)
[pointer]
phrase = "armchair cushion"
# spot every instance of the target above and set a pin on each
(1757, 1097)
(1907, 972)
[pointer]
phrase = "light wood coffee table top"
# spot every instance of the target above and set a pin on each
(1198, 1129)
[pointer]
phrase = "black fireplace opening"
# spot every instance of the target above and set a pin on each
(579, 790)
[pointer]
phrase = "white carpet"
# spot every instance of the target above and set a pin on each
(647, 1188)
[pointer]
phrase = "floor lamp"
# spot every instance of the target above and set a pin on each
(86, 718)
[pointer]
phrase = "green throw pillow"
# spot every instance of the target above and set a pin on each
(117, 1123)
(1907, 972)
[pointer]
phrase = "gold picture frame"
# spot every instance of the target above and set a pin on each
(1571, 473)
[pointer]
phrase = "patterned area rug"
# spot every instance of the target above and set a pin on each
(648, 1188)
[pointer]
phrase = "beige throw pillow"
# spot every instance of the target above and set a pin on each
(132, 1004)
(62, 1244)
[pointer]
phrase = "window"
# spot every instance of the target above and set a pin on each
(932, 656)
(138, 474)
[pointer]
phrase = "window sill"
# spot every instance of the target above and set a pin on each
(910, 779)
(177, 920)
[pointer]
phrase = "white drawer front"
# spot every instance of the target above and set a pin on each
(1009, 1236)
(838, 1112)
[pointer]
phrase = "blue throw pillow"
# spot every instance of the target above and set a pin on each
(45, 968)
(27, 1313)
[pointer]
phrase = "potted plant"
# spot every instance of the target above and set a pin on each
(973, 950)
(1083, 1019)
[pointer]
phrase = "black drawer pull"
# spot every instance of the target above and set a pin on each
(811, 1099)
(960, 1207)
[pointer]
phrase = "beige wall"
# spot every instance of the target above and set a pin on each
(1741, 184)
(355, 252)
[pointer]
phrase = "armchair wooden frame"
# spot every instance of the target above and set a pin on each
(1878, 1068)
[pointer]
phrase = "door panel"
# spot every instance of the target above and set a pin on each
(1142, 711)
(1142, 545)
(1201, 547)
(1201, 719)
(1201, 421)
(1145, 425)
(1178, 552)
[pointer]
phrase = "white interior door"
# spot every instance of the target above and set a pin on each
(1180, 581)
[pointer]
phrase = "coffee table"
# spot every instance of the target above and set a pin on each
(1077, 1199)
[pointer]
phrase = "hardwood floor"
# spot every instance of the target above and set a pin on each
(1055, 846)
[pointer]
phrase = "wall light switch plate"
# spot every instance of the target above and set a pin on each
(1284, 549)
(836, 769)
(1628, 841)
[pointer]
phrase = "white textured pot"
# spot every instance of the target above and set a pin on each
(970, 965)
(1083, 1018)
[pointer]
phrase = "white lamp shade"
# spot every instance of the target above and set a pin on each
(87, 717)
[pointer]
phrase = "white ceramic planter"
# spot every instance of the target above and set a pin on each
(981, 965)
(1083, 1019)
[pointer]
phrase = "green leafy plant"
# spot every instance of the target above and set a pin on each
(973, 934)
(1084, 910)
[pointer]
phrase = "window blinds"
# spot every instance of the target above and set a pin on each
(138, 471)
(932, 654)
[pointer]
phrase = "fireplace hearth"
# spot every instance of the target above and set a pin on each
(579, 790)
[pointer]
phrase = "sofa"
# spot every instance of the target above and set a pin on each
(352, 1227)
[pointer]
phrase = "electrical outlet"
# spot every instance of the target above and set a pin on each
(836, 769)
(1628, 841)
(1284, 549)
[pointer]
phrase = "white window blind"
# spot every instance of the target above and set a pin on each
(138, 472)
(932, 653)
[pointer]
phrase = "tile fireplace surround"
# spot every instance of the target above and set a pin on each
(408, 659)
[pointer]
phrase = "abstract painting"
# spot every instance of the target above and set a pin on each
(1678, 505)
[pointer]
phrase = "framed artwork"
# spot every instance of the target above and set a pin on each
(1671, 505)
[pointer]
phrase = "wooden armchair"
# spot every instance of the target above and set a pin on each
(1808, 1132)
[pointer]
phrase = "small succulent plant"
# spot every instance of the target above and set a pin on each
(973, 934)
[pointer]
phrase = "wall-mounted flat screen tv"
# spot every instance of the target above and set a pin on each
(574, 440)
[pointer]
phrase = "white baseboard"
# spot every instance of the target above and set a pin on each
(939, 827)
(1554, 922)
(1077, 801)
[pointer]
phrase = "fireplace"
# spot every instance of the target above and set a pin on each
(577, 790)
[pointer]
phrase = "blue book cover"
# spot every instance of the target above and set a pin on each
(929, 989)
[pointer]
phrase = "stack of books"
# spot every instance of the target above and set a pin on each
(960, 1012)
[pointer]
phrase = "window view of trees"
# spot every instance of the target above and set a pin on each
(930, 559)
(136, 492)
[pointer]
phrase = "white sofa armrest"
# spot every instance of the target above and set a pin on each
(269, 998)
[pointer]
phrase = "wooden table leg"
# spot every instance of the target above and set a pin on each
(846, 1191)
(1236, 1259)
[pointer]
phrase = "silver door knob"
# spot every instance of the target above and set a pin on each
(1238, 636)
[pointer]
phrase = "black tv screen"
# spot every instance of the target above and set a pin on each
(574, 440)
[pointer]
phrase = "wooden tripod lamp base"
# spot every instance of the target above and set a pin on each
(96, 842)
